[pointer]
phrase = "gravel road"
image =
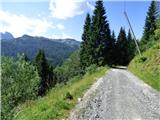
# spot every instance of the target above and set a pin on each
(119, 95)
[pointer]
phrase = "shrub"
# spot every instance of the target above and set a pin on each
(20, 82)
(68, 96)
(69, 69)
(142, 59)
(91, 69)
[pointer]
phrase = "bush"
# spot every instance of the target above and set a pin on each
(142, 59)
(91, 69)
(69, 69)
(68, 96)
(20, 82)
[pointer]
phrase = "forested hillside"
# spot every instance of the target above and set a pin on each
(56, 50)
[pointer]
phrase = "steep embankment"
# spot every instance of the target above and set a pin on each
(147, 67)
(58, 102)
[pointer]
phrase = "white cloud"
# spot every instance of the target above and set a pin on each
(63, 9)
(90, 6)
(61, 36)
(20, 24)
(60, 26)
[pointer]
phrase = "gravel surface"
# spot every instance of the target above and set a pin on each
(119, 95)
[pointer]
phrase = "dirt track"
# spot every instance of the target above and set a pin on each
(119, 95)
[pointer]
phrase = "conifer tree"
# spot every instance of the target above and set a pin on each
(44, 71)
(112, 51)
(23, 57)
(100, 35)
(122, 48)
(150, 24)
(131, 46)
(85, 49)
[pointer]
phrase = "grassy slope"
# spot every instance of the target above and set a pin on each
(53, 106)
(148, 70)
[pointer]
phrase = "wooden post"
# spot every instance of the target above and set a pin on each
(132, 33)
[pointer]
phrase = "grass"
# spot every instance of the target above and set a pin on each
(147, 67)
(54, 105)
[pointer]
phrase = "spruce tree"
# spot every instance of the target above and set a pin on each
(100, 35)
(85, 51)
(122, 48)
(44, 71)
(131, 46)
(150, 24)
(112, 51)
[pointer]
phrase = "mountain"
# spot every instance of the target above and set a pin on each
(68, 41)
(56, 50)
(6, 36)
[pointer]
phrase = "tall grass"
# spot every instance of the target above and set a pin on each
(147, 67)
(55, 105)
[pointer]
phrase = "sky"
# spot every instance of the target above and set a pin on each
(65, 18)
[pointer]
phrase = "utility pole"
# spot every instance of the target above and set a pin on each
(126, 16)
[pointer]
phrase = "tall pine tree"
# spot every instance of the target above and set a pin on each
(100, 35)
(150, 24)
(112, 50)
(122, 48)
(45, 72)
(131, 46)
(85, 50)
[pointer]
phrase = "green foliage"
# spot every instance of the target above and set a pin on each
(70, 68)
(131, 47)
(86, 49)
(45, 72)
(142, 59)
(53, 106)
(112, 52)
(20, 82)
(122, 48)
(157, 31)
(91, 69)
(68, 96)
(147, 67)
(150, 25)
(97, 45)
(101, 36)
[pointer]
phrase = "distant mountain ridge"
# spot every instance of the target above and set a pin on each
(6, 36)
(56, 50)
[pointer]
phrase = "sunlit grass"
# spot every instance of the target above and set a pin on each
(148, 66)
(54, 106)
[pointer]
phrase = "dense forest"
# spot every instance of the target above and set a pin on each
(24, 80)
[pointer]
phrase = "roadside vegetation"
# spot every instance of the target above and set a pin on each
(59, 100)
(147, 66)
(20, 82)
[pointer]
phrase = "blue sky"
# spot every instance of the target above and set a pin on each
(65, 18)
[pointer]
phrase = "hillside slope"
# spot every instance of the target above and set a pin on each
(147, 67)
(56, 50)
(59, 101)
